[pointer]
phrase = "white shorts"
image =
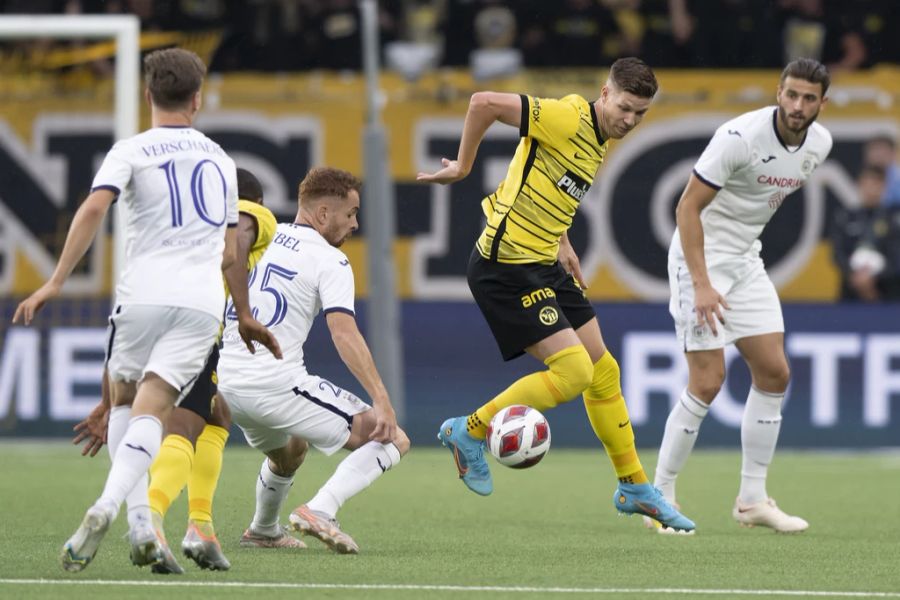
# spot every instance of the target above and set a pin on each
(743, 281)
(314, 410)
(171, 341)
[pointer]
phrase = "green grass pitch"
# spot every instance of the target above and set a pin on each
(550, 531)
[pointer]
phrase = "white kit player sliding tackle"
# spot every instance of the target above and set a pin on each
(179, 189)
(750, 166)
(280, 407)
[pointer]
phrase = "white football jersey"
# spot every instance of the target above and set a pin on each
(179, 191)
(299, 275)
(753, 171)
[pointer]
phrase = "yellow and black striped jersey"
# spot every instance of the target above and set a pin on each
(265, 231)
(553, 168)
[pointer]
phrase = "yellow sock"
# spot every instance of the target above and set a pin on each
(568, 375)
(205, 477)
(608, 414)
(170, 472)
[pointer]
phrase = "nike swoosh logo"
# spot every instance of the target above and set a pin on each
(344, 262)
(459, 466)
(647, 509)
(621, 425)
(690, 431)
(771, 158)
(380, 466)
(733, 132)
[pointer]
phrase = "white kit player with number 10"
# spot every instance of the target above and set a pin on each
(179, 193)
(179, 190)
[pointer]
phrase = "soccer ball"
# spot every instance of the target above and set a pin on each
(518, 436)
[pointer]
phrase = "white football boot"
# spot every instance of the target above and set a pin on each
(767, 514)
(324, 528)
(80, 549)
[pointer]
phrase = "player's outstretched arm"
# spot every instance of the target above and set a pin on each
(484, 109)
(707, 301)
(352, 348)
(84, 227)
(242, 239)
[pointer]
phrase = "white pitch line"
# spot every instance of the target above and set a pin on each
(452, 588)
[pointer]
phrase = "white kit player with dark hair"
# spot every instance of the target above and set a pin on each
(279, 406)
(179, 191)
(750, 166)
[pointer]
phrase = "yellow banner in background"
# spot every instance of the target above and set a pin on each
(55, 128)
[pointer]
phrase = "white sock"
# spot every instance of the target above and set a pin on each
(759, 436)
(678, 441)
(271, 490)
(355, 473)
(133, 457)
(137, 501)
(119, 416)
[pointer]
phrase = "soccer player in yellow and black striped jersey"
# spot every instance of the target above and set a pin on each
(197, 429)
(526, 278)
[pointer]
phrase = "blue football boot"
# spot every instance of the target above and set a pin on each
(468, 454)
(644, 499)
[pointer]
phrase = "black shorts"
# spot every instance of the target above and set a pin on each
(523, 304)
(199, 398)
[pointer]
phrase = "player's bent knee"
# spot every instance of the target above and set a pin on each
(777, 378)
(605, 378)
(285, 461)
(784, 373)
(571, 372)
(299, 449)
(784, 376)
(706, 390)
(706, 383)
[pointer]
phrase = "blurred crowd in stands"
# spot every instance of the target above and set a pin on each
(495, 37)
(288, 35)
(866, 238)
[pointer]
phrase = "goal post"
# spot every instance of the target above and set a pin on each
(125, 30)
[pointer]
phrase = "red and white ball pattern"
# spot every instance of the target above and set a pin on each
(518, 436)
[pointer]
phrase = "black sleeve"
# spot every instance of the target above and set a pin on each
(523, 123)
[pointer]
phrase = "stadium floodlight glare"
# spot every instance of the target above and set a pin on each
(125, 29)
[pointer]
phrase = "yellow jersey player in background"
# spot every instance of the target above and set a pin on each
(197, 430)
(526, 278)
